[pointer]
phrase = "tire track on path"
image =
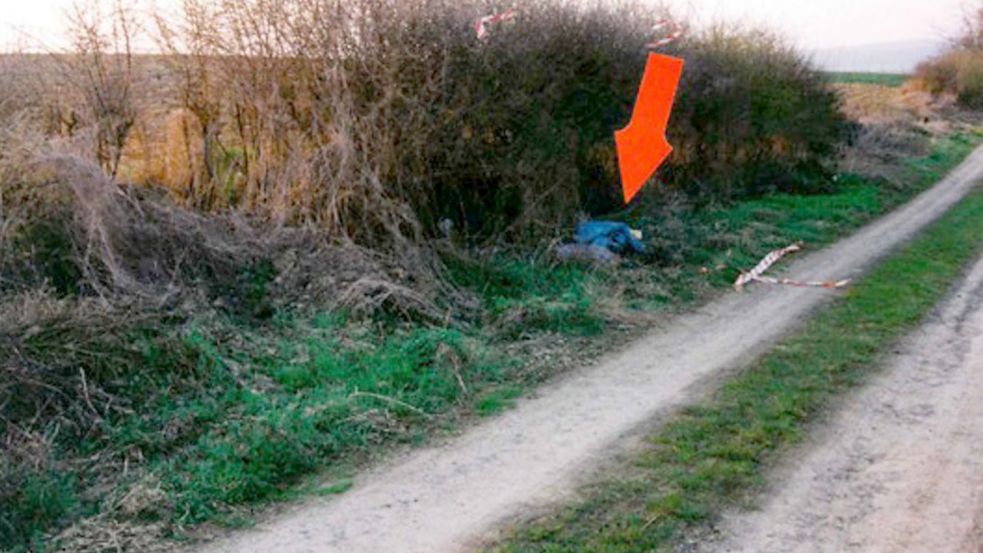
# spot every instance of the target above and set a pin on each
(900, 466)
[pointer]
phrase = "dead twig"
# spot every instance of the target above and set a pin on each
(87, 398)
(391, 400)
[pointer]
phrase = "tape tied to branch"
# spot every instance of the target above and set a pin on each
(674, 34)
(757, 273)
(482, 25)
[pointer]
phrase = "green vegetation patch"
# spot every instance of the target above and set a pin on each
(893, 80)
(705, 249)
(712, 454)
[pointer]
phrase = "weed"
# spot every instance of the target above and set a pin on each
(497, 400)
(41, 499)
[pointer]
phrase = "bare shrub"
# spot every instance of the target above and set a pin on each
(373, 121)
(96, 82)
(970, 36)
(376, 119)
(959, 70)
(753, 117)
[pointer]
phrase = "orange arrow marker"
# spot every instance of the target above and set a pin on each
(642, 145)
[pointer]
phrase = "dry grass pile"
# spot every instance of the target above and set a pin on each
(894, 124)
(70, 228)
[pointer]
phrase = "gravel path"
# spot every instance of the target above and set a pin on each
(446, 497)
(900, 467)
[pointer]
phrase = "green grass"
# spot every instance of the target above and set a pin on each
(229, 413)
(724, 240)
(323, 390)
(892, 80)
(713, 454)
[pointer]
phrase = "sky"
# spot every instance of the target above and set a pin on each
(812, 24)
(817, 24)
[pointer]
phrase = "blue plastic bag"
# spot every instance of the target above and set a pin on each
(615, 237)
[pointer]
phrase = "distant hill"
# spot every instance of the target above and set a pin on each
(891, 57)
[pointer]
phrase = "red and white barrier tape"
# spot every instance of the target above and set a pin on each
(755, 274)
(483, 25)
(675, 34)
(764, 265)
(828, 284)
